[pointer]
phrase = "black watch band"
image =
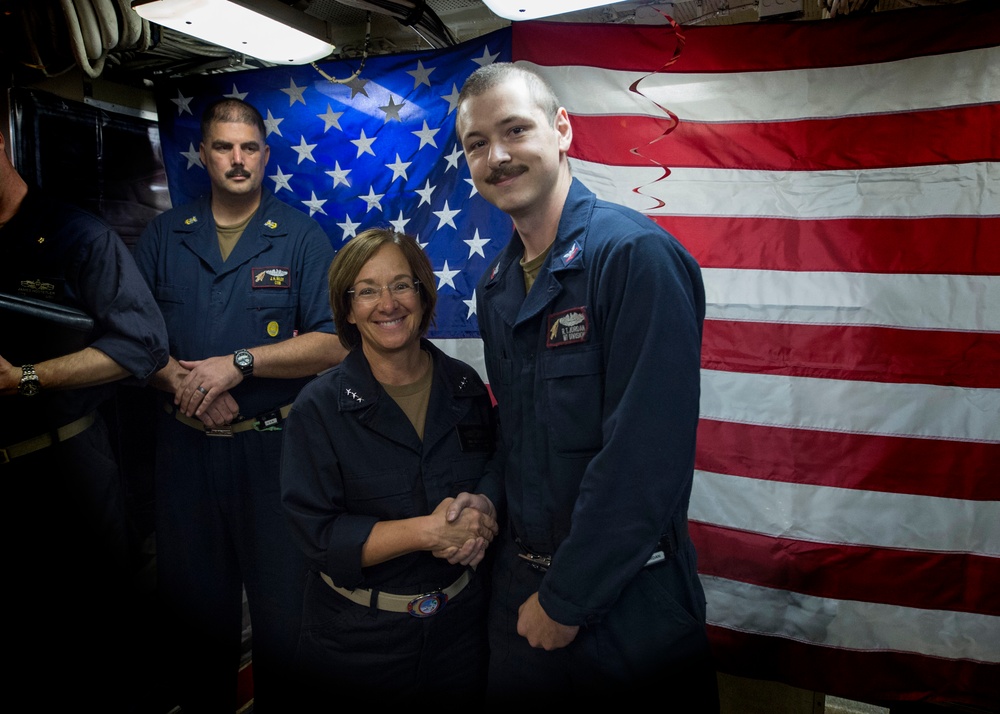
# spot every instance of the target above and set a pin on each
(243, 360)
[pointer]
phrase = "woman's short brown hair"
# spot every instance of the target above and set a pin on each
(352, 258)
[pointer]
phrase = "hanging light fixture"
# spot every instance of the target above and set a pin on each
(266, 29)
(534, 9)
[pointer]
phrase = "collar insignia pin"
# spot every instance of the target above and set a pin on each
(570, 254)
(354, 395)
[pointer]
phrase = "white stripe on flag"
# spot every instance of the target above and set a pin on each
(971, 189)
(959, 79)
(846, 623)
(841, 515)
(916, 410)
(929, 302)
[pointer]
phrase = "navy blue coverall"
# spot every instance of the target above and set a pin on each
(219, 524)
(351, 458)
(596, 375)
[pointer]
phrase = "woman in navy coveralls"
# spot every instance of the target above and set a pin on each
(374, 452)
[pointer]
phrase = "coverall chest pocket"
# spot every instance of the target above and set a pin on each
(572, 398)
(272, 312)
(387, 493)
(171, 300)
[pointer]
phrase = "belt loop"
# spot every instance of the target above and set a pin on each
(373, 604)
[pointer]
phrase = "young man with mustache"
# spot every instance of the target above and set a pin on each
(591, 318)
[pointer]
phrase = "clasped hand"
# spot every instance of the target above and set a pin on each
(203, 391)
(465, 526)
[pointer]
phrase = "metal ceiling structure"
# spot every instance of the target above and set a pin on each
(105, 38)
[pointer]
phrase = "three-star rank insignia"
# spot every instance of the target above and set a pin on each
(354, 395)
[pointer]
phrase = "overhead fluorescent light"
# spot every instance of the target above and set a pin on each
(266, 29)
(534, 9)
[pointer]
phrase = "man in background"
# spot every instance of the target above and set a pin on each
(241, 280)
(591, 318)
(77, 319)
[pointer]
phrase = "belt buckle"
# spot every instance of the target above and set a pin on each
(226, 431)
(427, 605)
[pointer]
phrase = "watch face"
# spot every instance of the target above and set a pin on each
(29, 388)
(244, 362)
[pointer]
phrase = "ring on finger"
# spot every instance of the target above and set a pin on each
(202, 389)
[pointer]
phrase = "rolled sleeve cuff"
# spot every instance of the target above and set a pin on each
(140, 358)
(343, 557)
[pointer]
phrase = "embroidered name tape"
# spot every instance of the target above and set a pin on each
(568, 327)
(271, 277)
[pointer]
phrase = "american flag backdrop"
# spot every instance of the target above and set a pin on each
(839, 183)
(359, 150)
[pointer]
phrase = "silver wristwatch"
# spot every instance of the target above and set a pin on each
(29, 385)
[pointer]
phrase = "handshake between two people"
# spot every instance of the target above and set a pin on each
(464, 527)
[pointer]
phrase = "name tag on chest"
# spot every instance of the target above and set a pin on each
(475, 439)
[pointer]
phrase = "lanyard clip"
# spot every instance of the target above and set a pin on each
(539, 562)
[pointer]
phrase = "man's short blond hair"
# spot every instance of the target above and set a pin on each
(492, 75)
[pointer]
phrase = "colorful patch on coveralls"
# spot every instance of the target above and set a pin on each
(271, 277)
(570, 255)
(568, 327)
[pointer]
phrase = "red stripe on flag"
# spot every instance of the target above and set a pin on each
(948, 136)
(884, 36)
(893, 464)
(959, 582)
(866, 353)
(870, 676)
(858, 245)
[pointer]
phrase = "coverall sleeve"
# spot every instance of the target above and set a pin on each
(313, 497)
(132, 330)
(649, 307)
